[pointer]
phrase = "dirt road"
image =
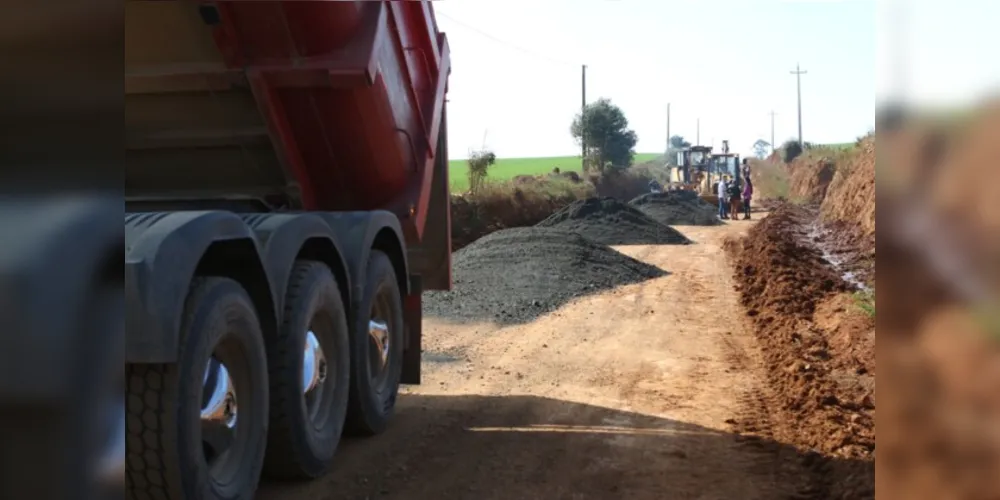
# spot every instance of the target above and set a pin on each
(622, 394)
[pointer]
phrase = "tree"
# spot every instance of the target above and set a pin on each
(602, 126)
(791, 150)
(676, 143)
(760, 148)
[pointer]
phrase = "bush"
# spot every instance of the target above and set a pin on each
(479, 164)
(500, 205)
(791, 150)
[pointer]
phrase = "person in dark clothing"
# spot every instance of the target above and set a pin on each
(747, 194)
(734, 199)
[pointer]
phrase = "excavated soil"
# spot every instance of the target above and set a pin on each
(516, 275)
(680, 208)
(818, 349)
(611, 222)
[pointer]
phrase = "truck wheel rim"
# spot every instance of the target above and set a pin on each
(379, 340)
(220, 405)
(317, 390)
(219, 419)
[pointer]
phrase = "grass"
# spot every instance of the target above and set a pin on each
(549, 189)
(508, 168)
(771, 180)
(838, 146)
(865, 300)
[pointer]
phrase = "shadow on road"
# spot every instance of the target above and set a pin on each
(526, 447)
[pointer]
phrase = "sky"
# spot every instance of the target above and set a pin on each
(516, 67)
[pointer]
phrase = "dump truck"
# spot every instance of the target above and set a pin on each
(286, 195)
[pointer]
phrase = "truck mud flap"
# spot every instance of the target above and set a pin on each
(412, 316)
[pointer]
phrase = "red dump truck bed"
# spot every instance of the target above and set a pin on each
(301, 105)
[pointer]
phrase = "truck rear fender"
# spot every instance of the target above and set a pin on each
(164, 252)
(360, 232)
(284, 238)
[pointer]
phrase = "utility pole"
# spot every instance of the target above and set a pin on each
(583, 110)
(773, 145)
(697, 137)
(798, 83)
(668, 126)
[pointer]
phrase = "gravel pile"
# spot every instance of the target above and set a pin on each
(515, 275)
(612, 222)
(681, 208)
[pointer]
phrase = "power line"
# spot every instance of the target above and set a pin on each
(504, 42)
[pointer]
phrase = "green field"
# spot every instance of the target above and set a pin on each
(841, 145)
(508, 168)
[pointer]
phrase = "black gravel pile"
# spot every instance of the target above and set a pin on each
(612, 222)
(680, 208)
(515, 275)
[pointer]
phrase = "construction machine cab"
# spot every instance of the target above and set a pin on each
(690, 162)
(725, 164)
(699, 169)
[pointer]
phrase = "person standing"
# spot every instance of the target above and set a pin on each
(722, 192)
(747, 194)
(734, 199)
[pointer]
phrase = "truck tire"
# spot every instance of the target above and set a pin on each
(198, 428)
(377, 349)
(103, 408)
(309, 368)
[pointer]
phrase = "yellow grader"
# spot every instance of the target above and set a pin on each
(700, 170)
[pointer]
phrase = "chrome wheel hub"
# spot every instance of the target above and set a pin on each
(220, 404)
(314, 365)
(379, 346)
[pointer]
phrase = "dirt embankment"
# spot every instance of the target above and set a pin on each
(681, 208)
(848, 210)
(841, 183)
(818, 349)
(850, 197)
(810, 178)
(940, 329)
(473, 217)
(611, 222)
(516, 275)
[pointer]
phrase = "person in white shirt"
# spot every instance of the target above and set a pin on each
(723, 197)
